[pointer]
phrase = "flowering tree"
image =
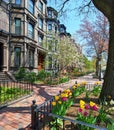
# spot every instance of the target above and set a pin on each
(96, 36)
(68, 53)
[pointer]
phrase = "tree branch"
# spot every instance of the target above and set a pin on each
(63, 5)
(104, 6)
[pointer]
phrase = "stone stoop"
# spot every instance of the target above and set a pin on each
(4, 77)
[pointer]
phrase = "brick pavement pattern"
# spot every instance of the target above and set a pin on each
(18, 115)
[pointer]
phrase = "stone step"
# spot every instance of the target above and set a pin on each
(4, 77)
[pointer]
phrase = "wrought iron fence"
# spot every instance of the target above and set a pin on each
(41, 117)
(10, 91)
(48, 120)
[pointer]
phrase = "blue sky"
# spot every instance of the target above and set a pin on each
(73, 20)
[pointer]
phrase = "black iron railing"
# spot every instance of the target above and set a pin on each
(10, 91)
(48, 118)
(41, 117)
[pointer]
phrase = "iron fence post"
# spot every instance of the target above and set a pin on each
(33, 114)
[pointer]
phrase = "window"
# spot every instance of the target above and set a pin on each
(54, 15)
(18, 2)
(55, 29)
(50, 62)
(40, 38)
(30, 30)
(62, 30)
(40, 6)
(31, 6)
(17, 26)
(50, 45)
(17, 56)
(31, 58)
(49, 13)
(55, 64)
(41, 23)
(49, 27)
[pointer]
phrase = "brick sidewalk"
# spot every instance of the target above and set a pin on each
(18, 115)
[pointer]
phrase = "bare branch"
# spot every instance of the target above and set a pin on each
(63, 5)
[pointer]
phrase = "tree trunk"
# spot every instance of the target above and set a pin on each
(97, 67)
(107, 8)
(108, 85)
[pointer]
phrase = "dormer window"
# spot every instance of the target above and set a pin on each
(49, 13)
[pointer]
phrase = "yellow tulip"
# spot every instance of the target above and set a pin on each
(59, 102)
(65, 91)
(91, 103)
(84, 83)
(56, 98)
(78, 85)
(74, 87)
(98, 83)
(53, 103)
(64, 95)
(70, 94)
(68, 90)
(82, 102)
(82, 106)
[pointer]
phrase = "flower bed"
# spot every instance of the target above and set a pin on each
(76, 108)
(79, 104)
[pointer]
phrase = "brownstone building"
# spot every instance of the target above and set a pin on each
(24, 26)
(25, 23)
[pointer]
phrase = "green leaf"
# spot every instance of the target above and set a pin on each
(110, 126)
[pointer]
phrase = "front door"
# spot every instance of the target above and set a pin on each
(41, 58)
(1, 56)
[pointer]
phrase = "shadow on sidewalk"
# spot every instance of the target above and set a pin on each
(19, 109)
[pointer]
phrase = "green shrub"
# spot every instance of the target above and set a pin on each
(42, 75)
(48, 81)
(20, 74)
(64, 79)
(30, 77)
(96, 90)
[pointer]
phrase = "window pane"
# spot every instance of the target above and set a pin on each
(50, 62)
(17, 56)
(40, 23)
(31, 58)
(49, 27)
(17, 26)
(40, 39)
(49, 14)
(40, 6)
(30, 30)
(31, 6)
